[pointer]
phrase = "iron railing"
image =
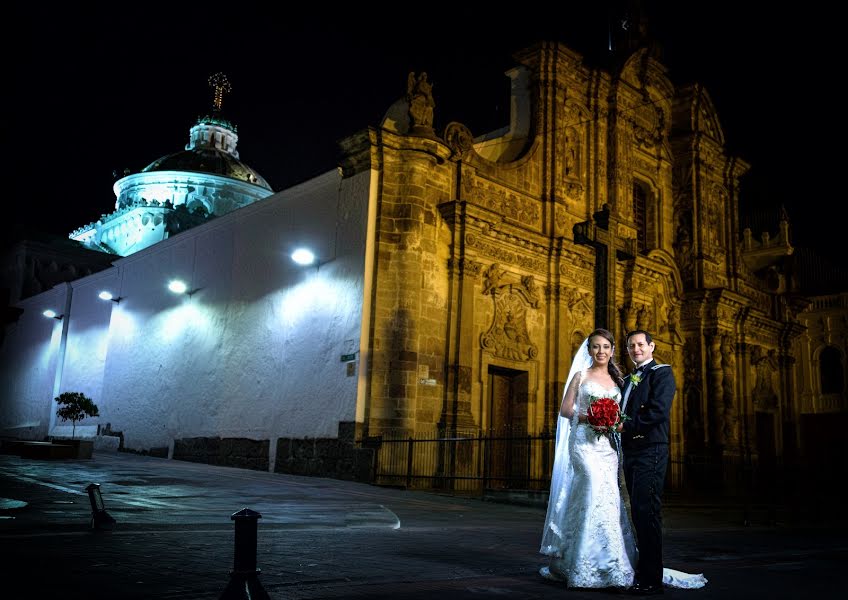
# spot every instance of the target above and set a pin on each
(463, 461)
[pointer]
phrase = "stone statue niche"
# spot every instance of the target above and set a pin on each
(419, 94)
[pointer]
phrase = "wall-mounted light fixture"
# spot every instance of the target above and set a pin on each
(50, 313)
(178, 286)
(306, 258)
(303, 257)
(106, 295)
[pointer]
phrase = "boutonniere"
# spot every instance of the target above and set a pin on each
(635, 379)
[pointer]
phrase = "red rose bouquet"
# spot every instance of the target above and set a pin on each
(604, 415)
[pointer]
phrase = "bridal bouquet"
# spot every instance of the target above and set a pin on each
(604, 415)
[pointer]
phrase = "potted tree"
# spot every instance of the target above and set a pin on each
(73, 407)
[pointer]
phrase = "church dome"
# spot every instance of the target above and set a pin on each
(206, 179)
(201, 159)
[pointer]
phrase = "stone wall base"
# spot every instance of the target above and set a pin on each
(242, 453)
(337, 458)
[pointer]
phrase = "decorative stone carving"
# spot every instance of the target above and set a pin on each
(459, 139)
(497, 252)
(645, 318)
(507, 337)
(573, 190)
(465, 267)
(507, 203)
(728, 362)
(628, 315)
(572, 154)
(764, 366)
(492, 278)
(419, 94)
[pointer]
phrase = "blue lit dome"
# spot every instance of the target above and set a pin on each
(205, 180)
(208, 160)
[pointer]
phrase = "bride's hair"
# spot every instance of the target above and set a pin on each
(612, 367)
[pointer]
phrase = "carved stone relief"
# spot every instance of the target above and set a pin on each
(764, 369)
(459, 139)
(465, 266)
(497, 252)
(507, 336)
(730, 428)
(506, 203)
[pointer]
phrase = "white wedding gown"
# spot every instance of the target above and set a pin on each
(587, 530)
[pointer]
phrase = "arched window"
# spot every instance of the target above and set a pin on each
(830, 371)
(640, 215)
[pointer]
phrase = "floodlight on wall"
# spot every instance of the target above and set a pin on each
(51, 314)
(106, 295)
(303, 257)
(178, 286)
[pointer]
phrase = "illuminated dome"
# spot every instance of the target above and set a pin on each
(180, 190)
(207, 160)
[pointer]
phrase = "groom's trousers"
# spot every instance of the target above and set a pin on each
(644, 475)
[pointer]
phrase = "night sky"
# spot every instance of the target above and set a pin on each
(98, 88)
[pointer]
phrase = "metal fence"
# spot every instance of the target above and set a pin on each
(463, 461)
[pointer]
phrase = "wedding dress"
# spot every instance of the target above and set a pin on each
(587, 533)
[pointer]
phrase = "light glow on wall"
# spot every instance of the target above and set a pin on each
(308, 299)
(181, 320)
(123, 325)
(104, 295)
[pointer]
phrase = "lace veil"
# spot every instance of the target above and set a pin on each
(562, 473)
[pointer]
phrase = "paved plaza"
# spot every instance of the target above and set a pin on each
(324, 538)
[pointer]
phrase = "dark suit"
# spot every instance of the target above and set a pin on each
(644, 442)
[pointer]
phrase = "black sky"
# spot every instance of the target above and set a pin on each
(97, 88)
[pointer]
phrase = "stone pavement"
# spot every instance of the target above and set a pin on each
(323, 538)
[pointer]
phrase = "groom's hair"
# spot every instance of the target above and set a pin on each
(647, 335)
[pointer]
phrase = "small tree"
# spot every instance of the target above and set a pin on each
(74, 406)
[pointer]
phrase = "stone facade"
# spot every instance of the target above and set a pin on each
(611, 201)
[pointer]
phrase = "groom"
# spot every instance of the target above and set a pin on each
(644, 440)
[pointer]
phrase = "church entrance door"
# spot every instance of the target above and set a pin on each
(507, 446)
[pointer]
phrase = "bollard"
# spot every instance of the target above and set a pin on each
(244, 578)
(100, 519)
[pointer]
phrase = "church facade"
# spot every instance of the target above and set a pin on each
(460, 272)
(609, 201)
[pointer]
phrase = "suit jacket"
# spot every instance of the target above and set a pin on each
(648, 407)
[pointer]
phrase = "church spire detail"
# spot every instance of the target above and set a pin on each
(221, 85)
(214, 130)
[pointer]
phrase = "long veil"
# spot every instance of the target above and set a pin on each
(562, 473)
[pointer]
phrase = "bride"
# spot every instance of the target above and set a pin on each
(587, 534)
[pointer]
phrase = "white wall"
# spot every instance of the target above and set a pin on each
(29, 358)
(253, 352)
